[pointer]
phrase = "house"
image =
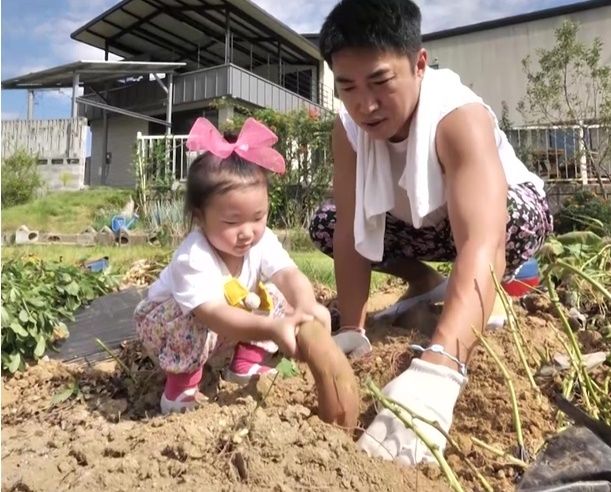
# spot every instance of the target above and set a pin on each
(220, 54)
(211, 57)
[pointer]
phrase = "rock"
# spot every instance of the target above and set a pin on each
(79, 454)
(113, 409)
(562, 362)
(576, 319)
(536, 303)
(590, 340)
(65, 467)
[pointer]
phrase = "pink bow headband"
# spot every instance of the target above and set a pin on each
(254, 143)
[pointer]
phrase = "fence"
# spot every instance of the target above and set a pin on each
(556, 153)
(565, 153)
(155, 148)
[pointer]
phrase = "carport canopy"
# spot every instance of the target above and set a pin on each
(88, 73)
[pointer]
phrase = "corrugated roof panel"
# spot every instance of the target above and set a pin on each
(89, 72)
(248, 21)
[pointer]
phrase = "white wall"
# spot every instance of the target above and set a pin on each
(58, 144)
(490, 61)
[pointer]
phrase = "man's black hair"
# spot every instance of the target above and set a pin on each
(387, 25)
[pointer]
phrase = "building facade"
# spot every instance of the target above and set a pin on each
(488, 56)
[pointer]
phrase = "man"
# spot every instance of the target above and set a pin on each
(422, 172)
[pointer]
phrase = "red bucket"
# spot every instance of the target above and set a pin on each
(526, 278)
(521, 287)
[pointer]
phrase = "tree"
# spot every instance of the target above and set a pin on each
(572, 86)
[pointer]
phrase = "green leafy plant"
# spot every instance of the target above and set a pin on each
(579, 264)
(37, 296)
(304, 141)
(152, 168)
(72, 390)
(584, 211)
(20, 178)
(166, 220)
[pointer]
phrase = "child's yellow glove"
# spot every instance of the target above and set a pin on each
(239, 296)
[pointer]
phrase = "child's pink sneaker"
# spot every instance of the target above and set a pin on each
(247, 363)
(189, 399)
(181, 392)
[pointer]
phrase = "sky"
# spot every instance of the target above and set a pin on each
(35, 35)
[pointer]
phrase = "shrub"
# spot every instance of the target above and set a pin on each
(304, 140)
(166, 220)
(37, 296)
(20, 178)
(584, 211)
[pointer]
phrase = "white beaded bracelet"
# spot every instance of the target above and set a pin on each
(439, 349)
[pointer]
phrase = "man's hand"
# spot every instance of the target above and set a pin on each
(428, 390)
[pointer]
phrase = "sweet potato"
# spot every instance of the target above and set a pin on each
(336, 385)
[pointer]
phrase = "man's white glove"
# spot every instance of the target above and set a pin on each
(427, 389)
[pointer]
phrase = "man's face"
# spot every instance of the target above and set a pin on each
(379, 89)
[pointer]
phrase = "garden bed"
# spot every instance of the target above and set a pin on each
(108, 433)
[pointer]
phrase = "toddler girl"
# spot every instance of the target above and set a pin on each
(230, 281)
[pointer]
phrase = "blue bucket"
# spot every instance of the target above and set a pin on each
(97, 265)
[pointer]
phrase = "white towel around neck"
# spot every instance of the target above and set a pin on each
(422, 178)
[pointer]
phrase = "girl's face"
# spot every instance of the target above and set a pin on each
(235, 221)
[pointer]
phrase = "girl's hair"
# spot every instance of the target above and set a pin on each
(210, 175)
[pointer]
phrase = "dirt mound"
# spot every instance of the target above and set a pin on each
(109, 435)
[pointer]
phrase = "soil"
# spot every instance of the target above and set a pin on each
(110, 436)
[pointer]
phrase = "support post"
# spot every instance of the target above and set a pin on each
(30, 104)
(75, 85)
(104, 165)
(279, 82)
(227, 36)
(583, 161)
(168, 114)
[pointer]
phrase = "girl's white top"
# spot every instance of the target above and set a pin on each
(197, 274)
(405, 178)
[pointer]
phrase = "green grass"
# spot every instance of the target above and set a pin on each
(67, 212)
(120, 258)
(315, 265)
(319, 269)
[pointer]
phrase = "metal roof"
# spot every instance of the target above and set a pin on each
(195, 31)
(517, 19)
(89, 72)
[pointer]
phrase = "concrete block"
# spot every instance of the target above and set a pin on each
(105, 236)
(50, 237)
(87, 237)
(57, 238)
(23, 235)
(138, 238)
(8, 238)
(123, 238)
